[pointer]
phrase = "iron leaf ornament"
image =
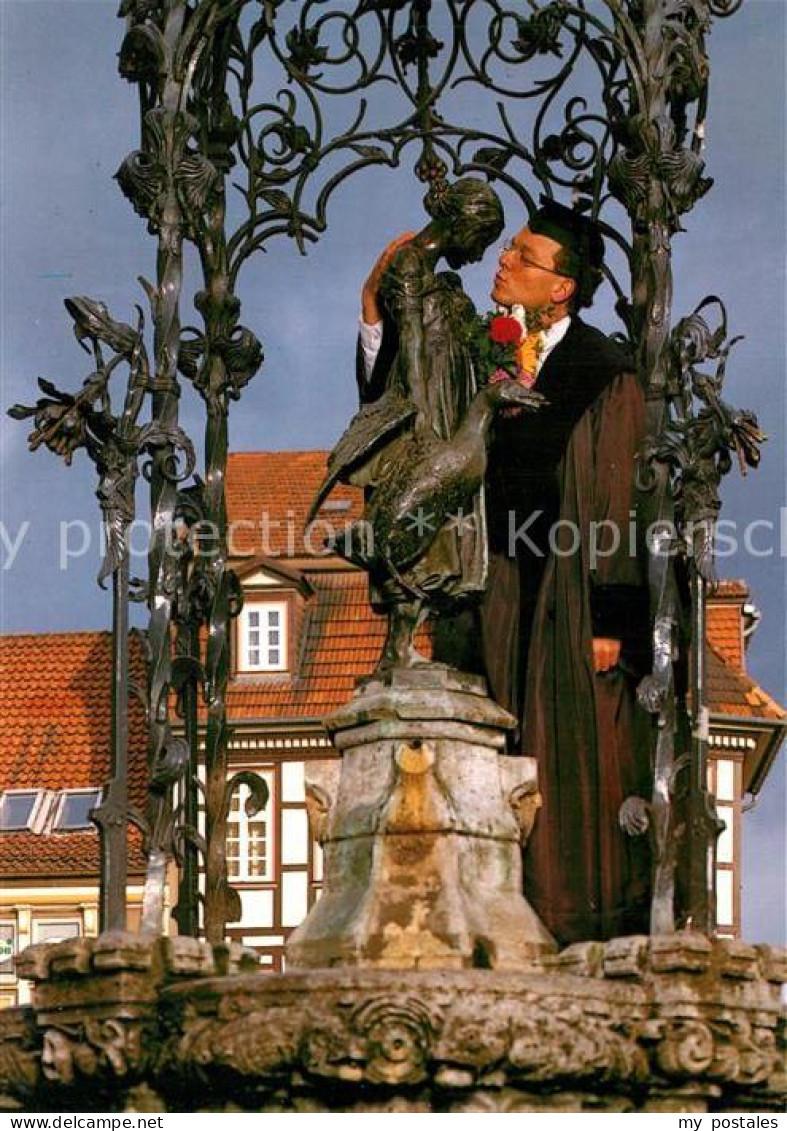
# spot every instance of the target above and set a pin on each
(540, 33)
(66, 422)
(175, 180)
(169, 174)
(706, 432)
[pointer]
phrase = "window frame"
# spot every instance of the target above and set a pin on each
(238, 823)
(61, 921)
(7, 964)
(258, 604)
(62, 800)
(38, 796)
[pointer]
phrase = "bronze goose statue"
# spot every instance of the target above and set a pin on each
(423, 483)
(373, 426)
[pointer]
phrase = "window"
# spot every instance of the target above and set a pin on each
(725, 912)
(7, 947)
(262, 637)
(249, 840)
(55, 930)
(725, 780)
(17, 808)
(74, 809)
(725, 845)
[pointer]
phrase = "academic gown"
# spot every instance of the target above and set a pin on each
(574, 462)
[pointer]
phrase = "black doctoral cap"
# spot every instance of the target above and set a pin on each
(580, 237)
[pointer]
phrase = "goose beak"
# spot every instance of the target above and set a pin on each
(514, 393)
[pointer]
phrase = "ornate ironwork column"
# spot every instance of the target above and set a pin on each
(179, 55)
(658, 174)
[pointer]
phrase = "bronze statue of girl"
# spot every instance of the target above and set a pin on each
(414, 403)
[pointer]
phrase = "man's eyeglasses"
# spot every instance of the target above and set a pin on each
(510, 246)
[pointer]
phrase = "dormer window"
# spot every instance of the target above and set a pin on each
(74, 808)
(18, 809)
(262, 637)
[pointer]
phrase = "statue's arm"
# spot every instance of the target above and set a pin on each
(371, 311)
(376, 346)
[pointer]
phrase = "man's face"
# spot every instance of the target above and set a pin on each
(526, 274)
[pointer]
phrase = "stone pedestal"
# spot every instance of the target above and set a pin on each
(422, 833)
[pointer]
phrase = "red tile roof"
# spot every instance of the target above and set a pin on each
(343, 640)
(732, 692)
(725, 633)
(54, 734)
(729, 587)
(268, 498)
(344, 636)
(25, 855)
(726, 599)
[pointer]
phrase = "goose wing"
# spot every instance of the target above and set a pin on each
(371, 426)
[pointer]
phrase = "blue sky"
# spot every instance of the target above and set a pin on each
(67, 123)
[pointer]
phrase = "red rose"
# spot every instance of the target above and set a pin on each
(503, 330)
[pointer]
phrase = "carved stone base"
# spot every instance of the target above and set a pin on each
(91, 1040)
(422, 832)
(670, 1024)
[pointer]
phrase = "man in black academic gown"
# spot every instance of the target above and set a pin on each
(564, 622)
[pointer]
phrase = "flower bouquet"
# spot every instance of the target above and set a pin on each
(494, 341)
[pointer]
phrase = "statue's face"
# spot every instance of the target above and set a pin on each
(469, 241)
(526, 273)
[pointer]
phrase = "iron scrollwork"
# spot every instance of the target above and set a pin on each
(292, 164)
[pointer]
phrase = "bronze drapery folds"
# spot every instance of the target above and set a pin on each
(282, 99)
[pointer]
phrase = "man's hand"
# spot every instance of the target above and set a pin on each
(606, 653)
(634, 816)
(370, 310)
